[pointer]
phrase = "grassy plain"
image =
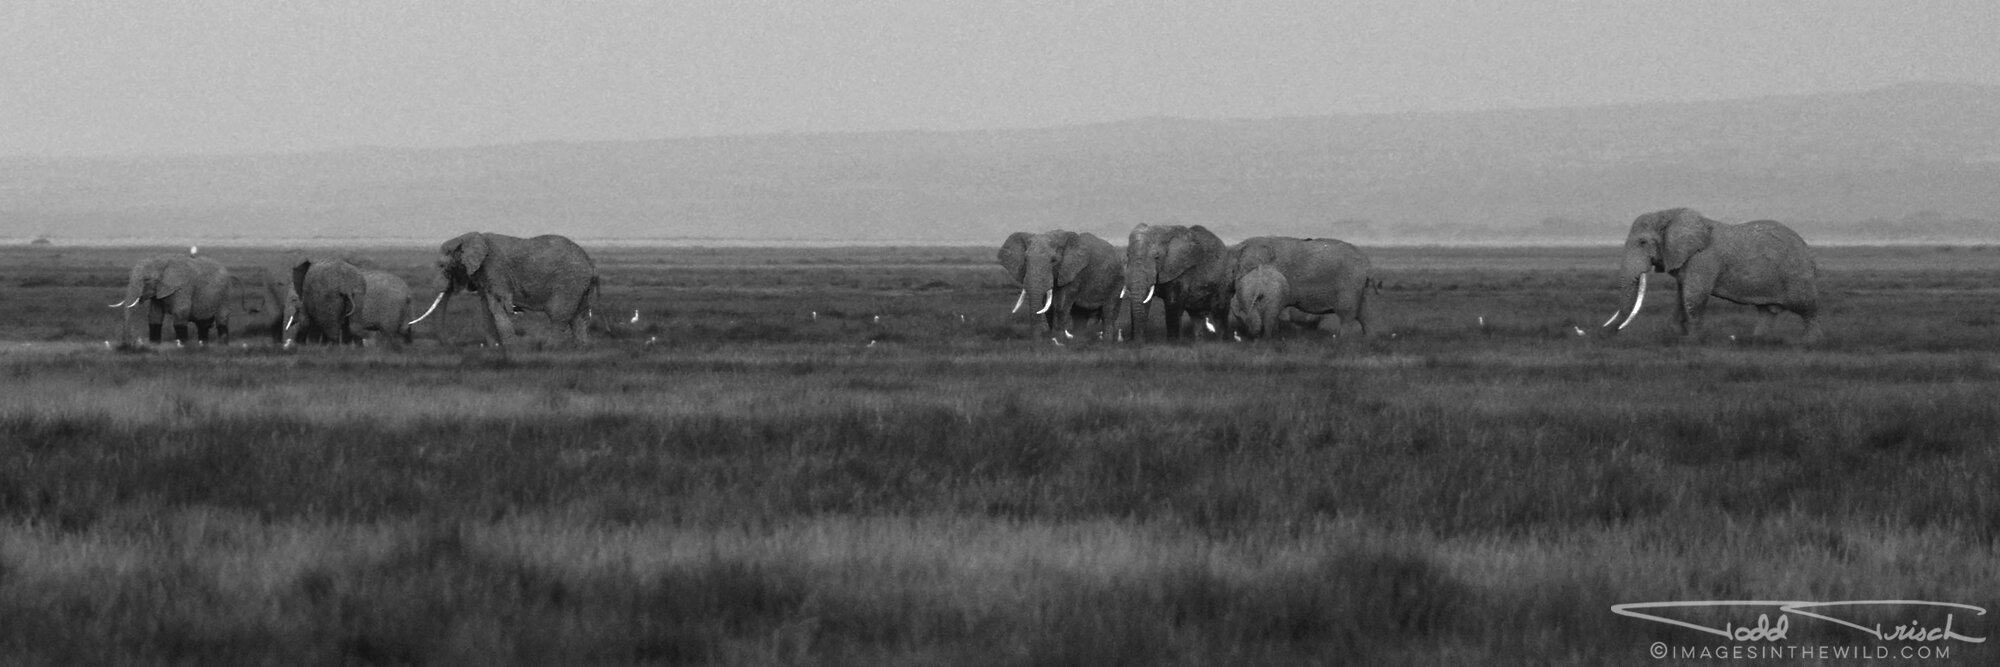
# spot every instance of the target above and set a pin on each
(742, 478)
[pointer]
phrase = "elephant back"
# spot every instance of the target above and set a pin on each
(553, 256)
(541, 269)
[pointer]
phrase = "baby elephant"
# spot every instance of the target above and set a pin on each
(1259, 297)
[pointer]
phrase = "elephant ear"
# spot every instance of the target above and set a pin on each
(1014, 255)
(1687, 233)
(174, 277)
(1073, 256)
(1182, 254)
(299, 275)
(471, 249)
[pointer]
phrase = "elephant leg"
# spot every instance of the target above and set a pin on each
(201, 329)
(180, 331)
(497, 323)
(1810, 315)
(1694, 301)
(1363, 314)
(569, 317)
(155, 321)
(1173, 321)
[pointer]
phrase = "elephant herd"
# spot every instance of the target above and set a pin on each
(338, 301)
(1252, 286)
(1192, 273)
(1248, 288)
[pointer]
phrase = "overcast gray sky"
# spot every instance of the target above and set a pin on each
(153, 76)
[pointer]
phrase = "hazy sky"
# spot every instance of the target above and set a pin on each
(154, 76)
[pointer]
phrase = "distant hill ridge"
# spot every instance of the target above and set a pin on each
(1916, 161)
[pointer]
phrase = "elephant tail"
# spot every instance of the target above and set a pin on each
(590, 298)
(591, 322)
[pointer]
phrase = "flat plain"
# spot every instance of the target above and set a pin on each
(858, 456)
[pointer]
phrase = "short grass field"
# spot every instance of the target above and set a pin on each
(857, 456)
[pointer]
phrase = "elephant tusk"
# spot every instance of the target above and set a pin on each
(1121, 294)
(1149, 294)
(1614, 318)
(288, 323)
(427, 312)
(1023, 298)
(1050, 301)
(126, 303)
(1638, 302)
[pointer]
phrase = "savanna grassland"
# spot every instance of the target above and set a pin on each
(856, 456)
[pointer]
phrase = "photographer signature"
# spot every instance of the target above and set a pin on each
(1766, 630)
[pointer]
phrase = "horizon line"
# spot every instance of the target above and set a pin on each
(355, 148)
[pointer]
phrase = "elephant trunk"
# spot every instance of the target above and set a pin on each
(1137, 294)
(289, 323)
(1041, 279)
(135, 291)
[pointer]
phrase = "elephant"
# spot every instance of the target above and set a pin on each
(325, 302)
(1762, 264)
(1256, 302)
(1071, 272)
(1186, 267)
(260, 307)
(1322, 276)
(549, 274)
(345, 303)
(191, 290)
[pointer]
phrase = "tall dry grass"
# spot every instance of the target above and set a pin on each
(762, 486)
